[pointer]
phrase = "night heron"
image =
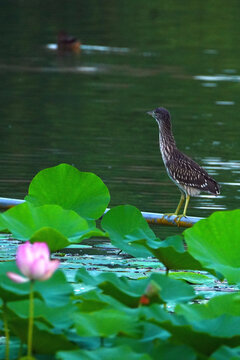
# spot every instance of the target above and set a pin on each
(190, 178)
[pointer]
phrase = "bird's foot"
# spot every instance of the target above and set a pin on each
(169, 215)
(178, 219)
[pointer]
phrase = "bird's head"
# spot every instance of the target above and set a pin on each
(160, 114)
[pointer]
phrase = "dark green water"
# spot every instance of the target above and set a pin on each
(89, 109)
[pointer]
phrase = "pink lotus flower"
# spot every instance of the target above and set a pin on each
(33, 260)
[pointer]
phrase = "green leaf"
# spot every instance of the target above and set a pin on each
(215, 243)
(105, 323)
(46, 340)
(152, 332)
(158, 346)
(95, 299)
(171, 351)
(60, 317)
(191, 277)
(53, 238)
(9, 290)
(2, 223)
(171, 253)
(226, 353)
(24, 220)
(192, 327)
(129, 292)
(227, 304)
(125, 224)
(70, 188)
(202, 326)
(116, 353)
(55, 291)
(92, 300)
(130, 232)
(49, 223)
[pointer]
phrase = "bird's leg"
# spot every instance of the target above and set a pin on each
(178, 207)
(186, 205)
(178, 218)
(181, 201)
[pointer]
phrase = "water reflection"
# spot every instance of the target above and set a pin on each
(74, 69)
(209, 84)
(210, 51)
(211, 206)
(218, 163)
(219, 77)
(91, 48)
(231, 184)
(224, 102)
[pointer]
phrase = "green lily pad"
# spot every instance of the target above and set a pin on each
(55, 291)
(171, 351)
(215, 243)
(93, 300)
(124, 224)
(25, 220)
(62, 317)
(45, 339)
(227, 304)
(116, 353)
(160, 287)
(105, 323)
(64, 185)
(2, 223)
(226, 353)
(53, 238)
(191, 277)
(171, 253)
(205, 335)
(9, 290)
(130, 232)
(157, 343)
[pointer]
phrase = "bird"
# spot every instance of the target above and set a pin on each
(67, 42)
(190, 177)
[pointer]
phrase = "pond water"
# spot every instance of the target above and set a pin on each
(89, 109)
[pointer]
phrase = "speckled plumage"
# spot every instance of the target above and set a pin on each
(189, 176)
(184, 172)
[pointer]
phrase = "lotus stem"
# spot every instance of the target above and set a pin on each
(6, 331)
(31, 320)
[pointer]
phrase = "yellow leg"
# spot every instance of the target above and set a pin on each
(178, 218)
(178, 207)
(186, 205)
(180, 204)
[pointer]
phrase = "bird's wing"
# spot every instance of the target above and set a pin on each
(187, 172)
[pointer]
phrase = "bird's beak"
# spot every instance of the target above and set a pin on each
(151, 113)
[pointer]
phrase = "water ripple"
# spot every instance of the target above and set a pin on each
(219, 77)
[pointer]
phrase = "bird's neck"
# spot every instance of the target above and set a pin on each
(166, 141)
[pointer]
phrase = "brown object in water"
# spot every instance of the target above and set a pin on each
(67, 42)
